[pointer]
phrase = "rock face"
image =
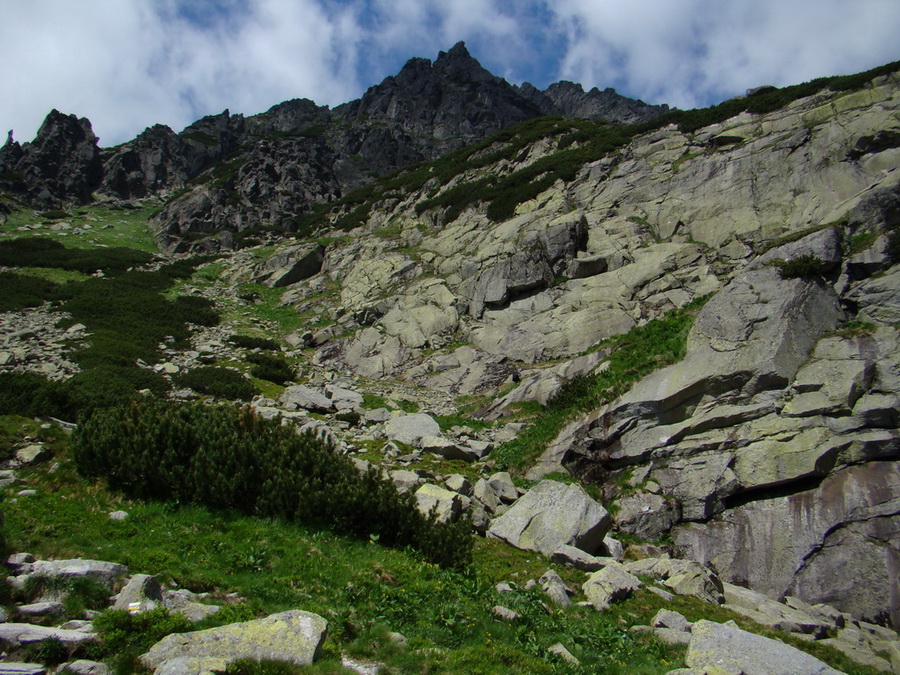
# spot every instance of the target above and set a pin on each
(295, 637)
(61, 165)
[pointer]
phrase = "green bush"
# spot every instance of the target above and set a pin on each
(802, 267)
(218, 382)
(122, 632)
(271, 368)
(230, 459)
(18, 291)
(45, 252)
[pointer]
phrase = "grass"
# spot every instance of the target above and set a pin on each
(363, 589)
(92, 226)
(632, 356)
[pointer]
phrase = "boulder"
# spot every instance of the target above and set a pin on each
(411, 429)
(446, 505)
(290, 265)
(141, 594)
(685, 577)
(293, 636)
(550, 515)
(109, 574)
(302, 397)
(555, 588)
(14, 635)
(716, 645)
(611, 584)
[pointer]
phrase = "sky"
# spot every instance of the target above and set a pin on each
(129, 64)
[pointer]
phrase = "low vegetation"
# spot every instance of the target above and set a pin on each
(633, 355)
(231, 459)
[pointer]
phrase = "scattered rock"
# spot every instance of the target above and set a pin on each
(609, 585)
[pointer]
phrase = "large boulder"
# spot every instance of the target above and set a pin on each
(294, 636)
(290, 265)
(732, 650)
(411, 429)
(550, 515)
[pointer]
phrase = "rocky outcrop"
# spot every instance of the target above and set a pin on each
(63, 164)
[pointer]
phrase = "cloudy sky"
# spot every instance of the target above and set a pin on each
(127, 64)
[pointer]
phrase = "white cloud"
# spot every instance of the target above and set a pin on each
(127, 64)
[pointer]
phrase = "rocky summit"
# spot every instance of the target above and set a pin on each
(656, 348)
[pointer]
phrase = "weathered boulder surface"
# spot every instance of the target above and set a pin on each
(732, 650)
(550, 515)
(294, 636)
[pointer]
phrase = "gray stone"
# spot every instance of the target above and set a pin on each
(502, 485)
(13, 635)
(42, 609)
(646, 515)
(579, 559)
(141, 594)
(666, 618)
(184, 602)
(559, 650)
(446, 505)
(411, 429)
(301, 396)
(504, 614)
(458, 483)
(118, 515)
(109, 574)
(294, 636)
(737, 651)
(484, 493)
(16, 668)
(406, 481)
(85, 667)
(685, 577)
(32, 454)
(550, 515)
(555, 588)
(611, 584)
(613, 547)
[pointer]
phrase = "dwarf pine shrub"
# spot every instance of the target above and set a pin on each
(229, 458)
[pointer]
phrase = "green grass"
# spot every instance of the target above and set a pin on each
(363, 589)
(92, 226)
(633, 355)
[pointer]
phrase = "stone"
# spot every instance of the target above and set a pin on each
(613, 547)
(559, 650)
(552, 514)
(484, 493)
(293, 636)
(459, 483)
(411, 429)
(109, 574)
(360, 666)
(142, 593)
(579, 559)
(555, 588)
(118, 515)
(42, 609)
(447, 449)
(184, 602)
(666, 618)
(502, 485)
(16, 668)
(445, 504)
(13, 635)
(85, 667)
(301, 396)
(646, 515)
(737, 651)
(611, 584)
(504, 614)
(406, 481)
(685, 577)
(32, 454)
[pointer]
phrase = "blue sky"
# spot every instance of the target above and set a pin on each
(128, 64)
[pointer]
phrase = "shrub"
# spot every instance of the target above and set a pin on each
(45, 252)
(18, 291)
(128, 633)
(230, 459)
(802, 267)
(271, 368)
(218, 382)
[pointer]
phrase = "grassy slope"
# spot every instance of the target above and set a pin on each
(361, 588)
